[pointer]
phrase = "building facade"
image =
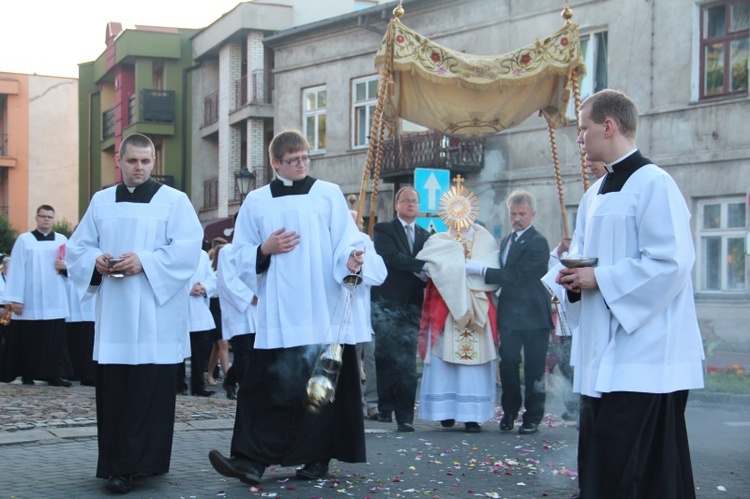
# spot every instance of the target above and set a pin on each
(140, 83)
(683, 62)
(38, 148)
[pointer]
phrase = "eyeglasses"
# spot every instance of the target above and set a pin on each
(46, 217)
(408, 201)
(296, 161)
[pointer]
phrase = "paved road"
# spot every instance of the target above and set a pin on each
(58, 460)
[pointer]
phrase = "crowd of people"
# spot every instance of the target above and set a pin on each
(302, 290)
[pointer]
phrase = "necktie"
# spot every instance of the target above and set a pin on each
(410, 236)
(513, 237)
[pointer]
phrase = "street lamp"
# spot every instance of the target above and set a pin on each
(242, 179)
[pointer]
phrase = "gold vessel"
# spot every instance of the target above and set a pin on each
(5, 314)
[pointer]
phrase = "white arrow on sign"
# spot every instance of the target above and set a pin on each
(432, 186)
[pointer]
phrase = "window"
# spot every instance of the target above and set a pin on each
(724, 47)
(594, 49)
(314, 117)
(364, 100)
(721, 239)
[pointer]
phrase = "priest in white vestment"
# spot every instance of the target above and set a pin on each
(458, 330)
(136, 248)
(637, 351)
(294, 243)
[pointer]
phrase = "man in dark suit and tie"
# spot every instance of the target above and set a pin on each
(396, 309)
(524, 316)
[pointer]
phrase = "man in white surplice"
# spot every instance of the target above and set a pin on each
(142, 316)
(294, 243)
(637, 350)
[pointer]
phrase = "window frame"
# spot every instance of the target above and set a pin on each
(369, 104)
(315, 113)
(725, 233)
(593, 60)
(725, 40)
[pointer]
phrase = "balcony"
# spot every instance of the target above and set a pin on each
(403, 153)
(3, 144)
(261, 89)
(164, 179)
(211, 194)
(211, 109)
(108, 124)
(157, 105)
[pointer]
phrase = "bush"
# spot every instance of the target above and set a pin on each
(7, 235)
(63, 227)
(732, 379)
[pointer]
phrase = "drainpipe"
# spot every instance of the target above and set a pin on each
(185, 71)
(89, 187)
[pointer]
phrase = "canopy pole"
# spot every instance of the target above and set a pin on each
(558, 178)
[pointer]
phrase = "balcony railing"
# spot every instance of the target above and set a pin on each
(157, 105)
(403, 153)
(211, 194)
(164, 179)
(261, 90)
(3, 144)
(211, 109)
(108, 123)
(131, 110)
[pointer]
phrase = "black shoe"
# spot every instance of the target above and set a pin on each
(506, 424)
(59, 382)
(528, 428)
(313, 471)
(203, 393)
(385, 418)
(246, 470)
(88, 383)
(447, 423)
(231, 391)
(406, 428)
(120, 484)
(570, 416)
(471, 427)
(27, 381)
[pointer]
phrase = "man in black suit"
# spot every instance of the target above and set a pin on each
(524, 316)
(396, 309)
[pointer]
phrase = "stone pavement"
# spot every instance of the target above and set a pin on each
(48, 448)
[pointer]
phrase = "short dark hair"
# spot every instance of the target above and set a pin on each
(286, 142)
(617, 106)
(136, 140)
(45, 207)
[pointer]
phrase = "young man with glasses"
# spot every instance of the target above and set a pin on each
(36, 287)
(294, 242)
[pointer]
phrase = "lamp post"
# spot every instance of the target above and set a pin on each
(242, 179)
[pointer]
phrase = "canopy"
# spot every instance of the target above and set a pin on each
(477, 95)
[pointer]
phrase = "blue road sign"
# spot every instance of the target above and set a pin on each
(432, 224)
(430, 184)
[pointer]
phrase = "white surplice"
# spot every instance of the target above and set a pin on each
(238, 314)
(142, 318)
(199, 313)
(33, 280)
(308, 279)
(638, 331)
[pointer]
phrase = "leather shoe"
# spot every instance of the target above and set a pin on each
(203, 393)
(385, 418)
(27, 381)
(60, 382)
(313, 471)
(528, 428)
(120, 483)
(406, 428)
(506, 424)
(372, 416)
(246, 470)
(570, 416)
(472, 427)
(231, 391)
(447, 423)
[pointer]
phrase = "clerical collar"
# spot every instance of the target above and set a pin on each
(39, 236)
(285, 181)
(140, 194)
(280, 188)
(622, 169)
